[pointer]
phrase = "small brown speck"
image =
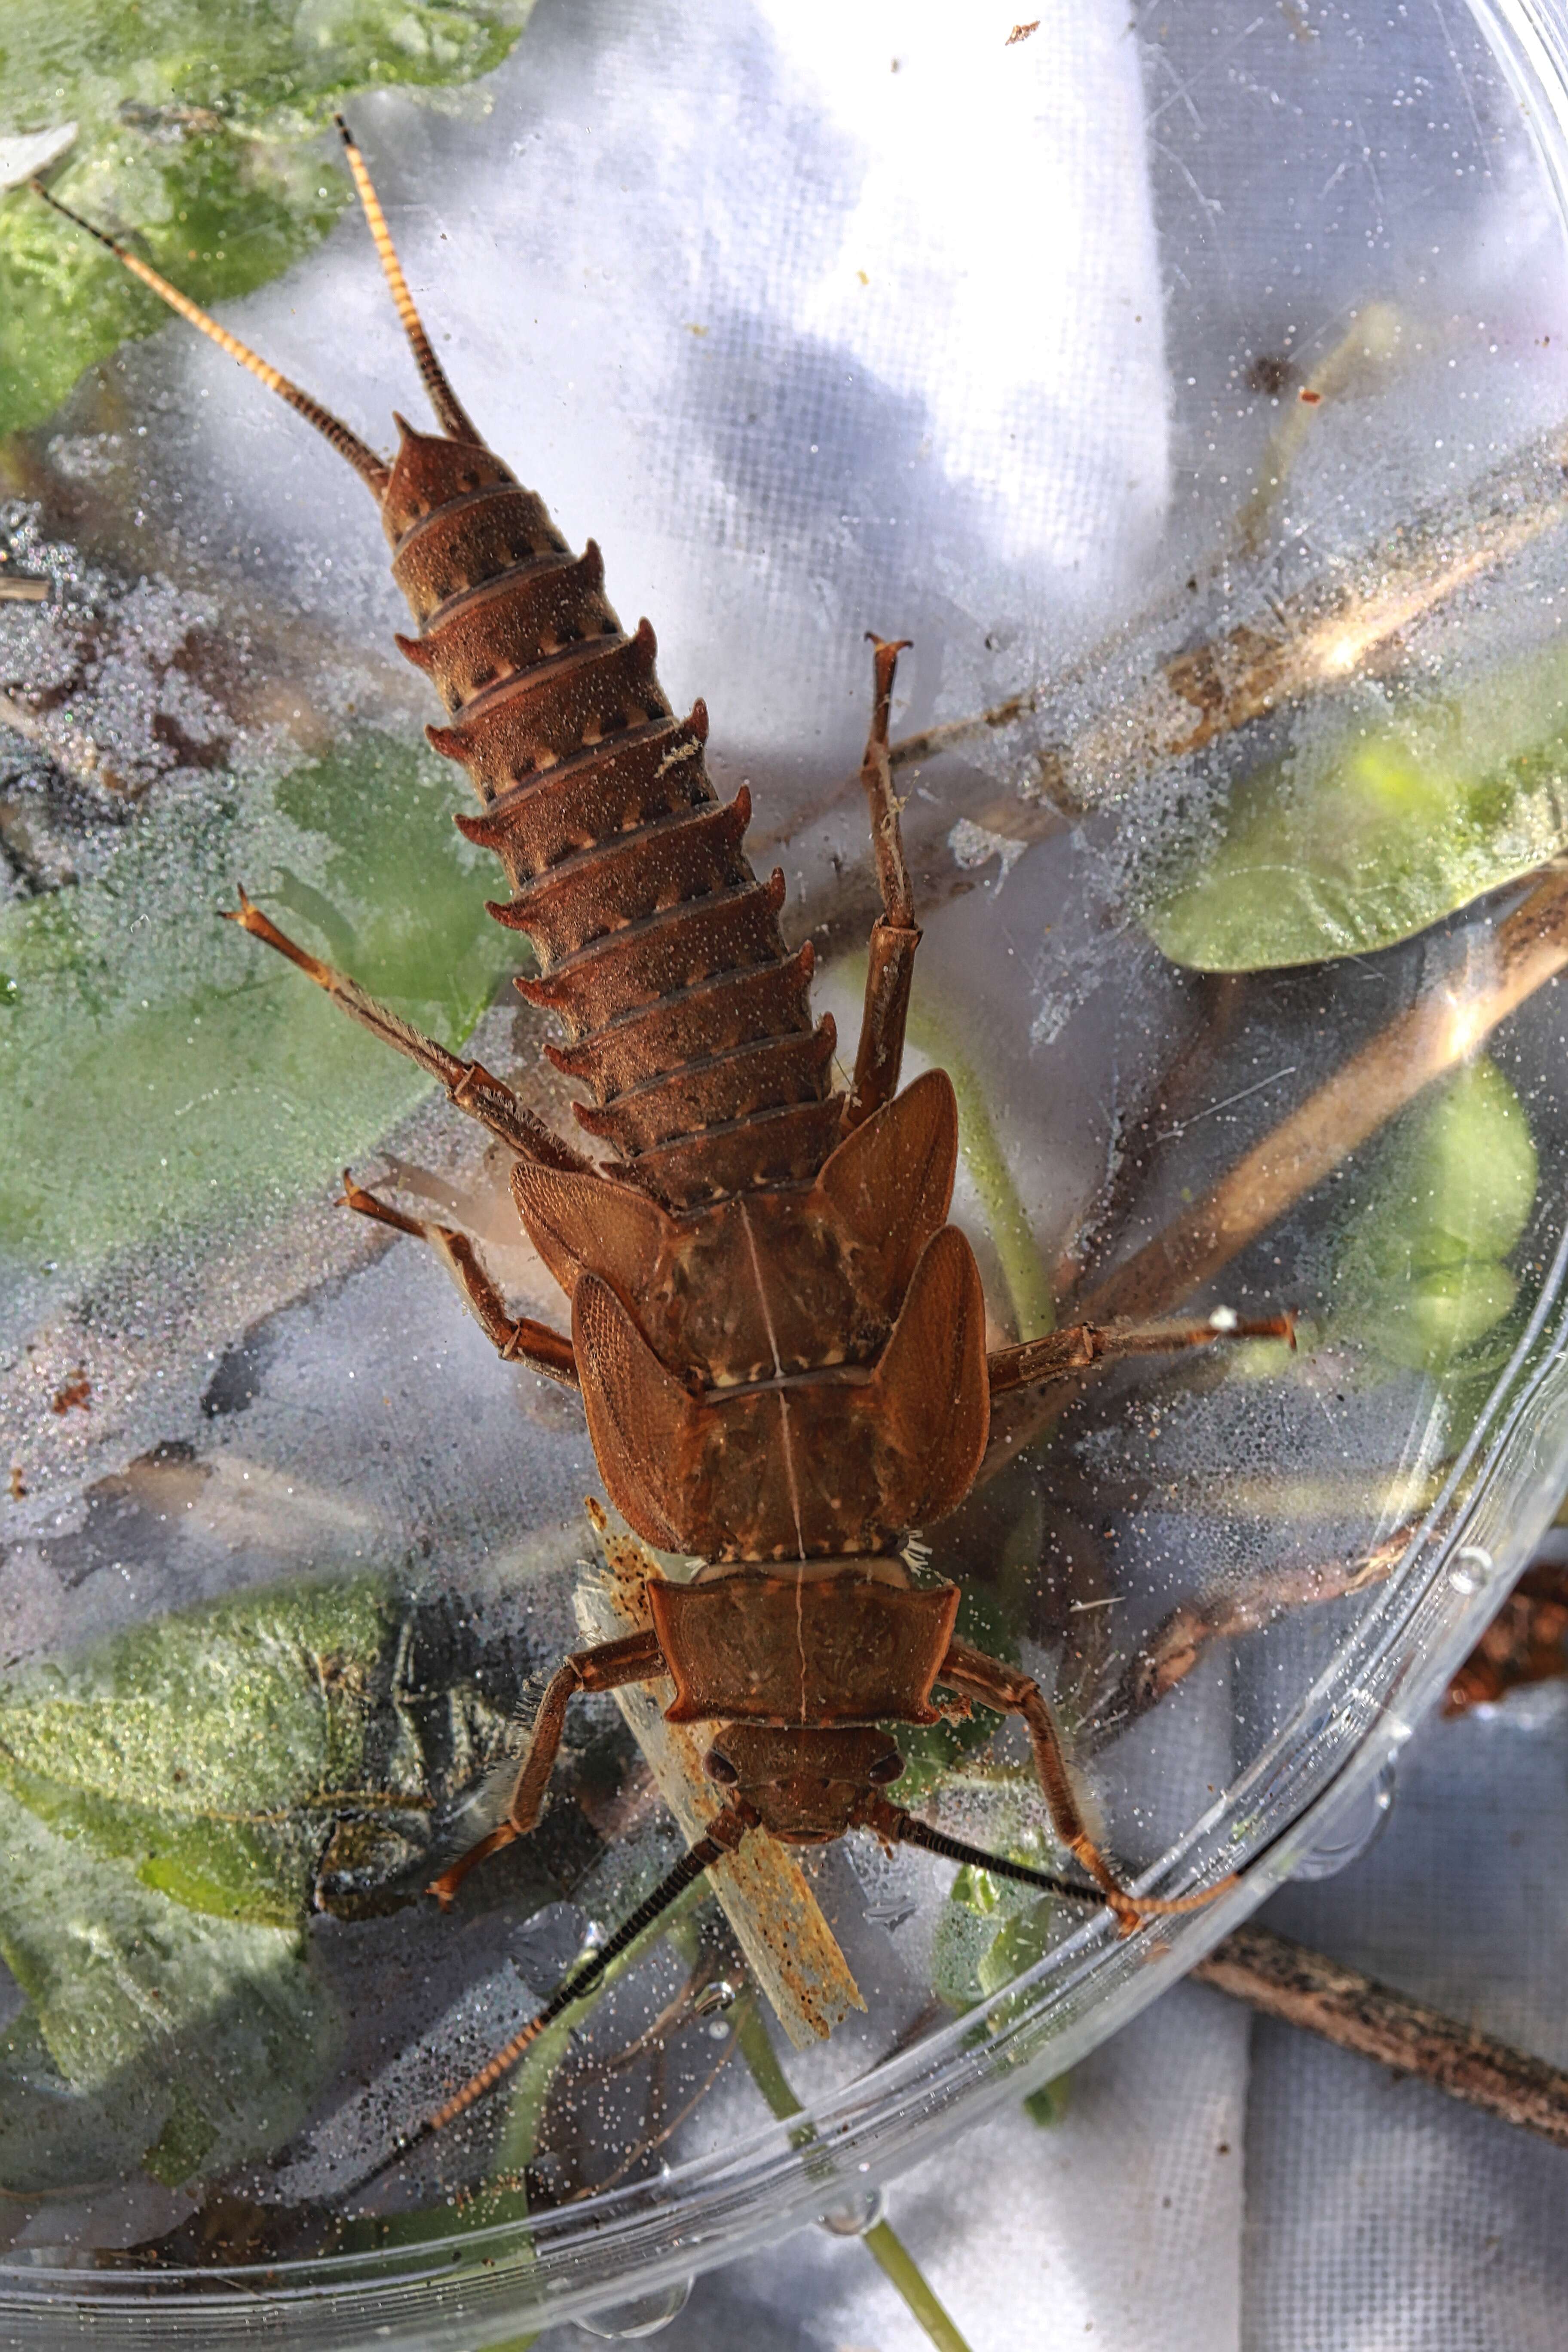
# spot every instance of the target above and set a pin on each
(74, 1394)
(18, 1484)
(1308, 396)
(1021, 33)
(1270, 372)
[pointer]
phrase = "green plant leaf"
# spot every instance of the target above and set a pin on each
(1049, 2104)
(1421, 1275)
(193, 131)
(161, 1068)
(1366, 838)
(230, 1756)
(932, 1751)
(991, 1929)
(1024, 1937)
(153, 2035)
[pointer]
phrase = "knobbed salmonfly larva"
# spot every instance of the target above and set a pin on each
(778, 1339)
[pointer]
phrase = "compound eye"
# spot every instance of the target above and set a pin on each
(885, 1768)
(718, 1767)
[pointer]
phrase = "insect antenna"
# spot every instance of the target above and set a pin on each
(891, 1822)
(452, 416)
(722, 1836)
(372, 470)
(896, 1823)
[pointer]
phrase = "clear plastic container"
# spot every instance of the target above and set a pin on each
(1191, 397)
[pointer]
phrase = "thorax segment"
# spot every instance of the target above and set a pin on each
(821, 1643)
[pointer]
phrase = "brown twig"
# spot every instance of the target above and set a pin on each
(1154, 709)
(1303, 1988)
(1419, 1045)
(653, 2141)
(1185, 1091)
(1171, 1651)
(1434, 1035)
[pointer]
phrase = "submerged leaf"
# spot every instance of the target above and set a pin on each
(193, 131)
(932, 1752)
(991, 1930)
(1049, 2104)
(1357, 843)
(153, 2035)
(161, 1067)
(238, 1757)
(1421, 1274)
(1022, 1939)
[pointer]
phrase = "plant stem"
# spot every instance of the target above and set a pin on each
(1022, 1268)
(763, 2060)
(881, 2241)
(1303, 1988)
(887, 2250)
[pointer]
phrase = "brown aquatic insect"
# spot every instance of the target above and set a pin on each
(778, 1337)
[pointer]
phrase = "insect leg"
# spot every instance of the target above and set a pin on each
(471, 1086)
(454, 418)
(1062, 1354)
(634, 1658)
(517, 1338)
(973, 1676)
(722, 1836)
(895, 935)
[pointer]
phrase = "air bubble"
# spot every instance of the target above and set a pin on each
(856, 2215)
(1471, 1568)
(640, 2314)
(1351, 1829)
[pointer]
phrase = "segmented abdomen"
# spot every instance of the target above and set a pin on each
(686, 1016)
